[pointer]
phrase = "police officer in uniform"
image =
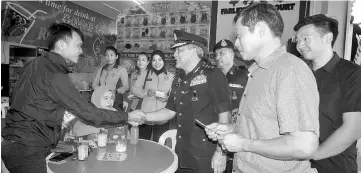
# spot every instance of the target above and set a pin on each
(237, 80)
(237, 76)
(199, 91)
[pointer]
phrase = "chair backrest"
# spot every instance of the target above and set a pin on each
(48, 170)
(3, 167)
(169, 134)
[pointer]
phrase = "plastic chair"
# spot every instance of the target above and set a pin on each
(47, 162)
(3, 167)
(169, 134)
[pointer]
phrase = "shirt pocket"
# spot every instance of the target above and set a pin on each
(202, 146)
(200, 96)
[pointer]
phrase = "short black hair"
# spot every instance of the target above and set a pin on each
(145, 54)
(61, 31)
(112, 48)
(323, 24)
(137, 70)
(161, 54)
(261, 12)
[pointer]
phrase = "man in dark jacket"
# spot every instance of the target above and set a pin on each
(42, 94)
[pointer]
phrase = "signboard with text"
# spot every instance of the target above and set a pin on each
(32, 18)
(228, 9)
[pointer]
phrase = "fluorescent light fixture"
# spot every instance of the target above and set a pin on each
(111, 7)
(138, 2)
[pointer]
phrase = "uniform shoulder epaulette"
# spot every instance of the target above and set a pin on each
(208, 66)
(241, 67)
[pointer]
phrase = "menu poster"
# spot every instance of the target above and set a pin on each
(226, 11)
(144, 32)
(32, 18)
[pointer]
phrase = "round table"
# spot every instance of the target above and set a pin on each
(146, 156)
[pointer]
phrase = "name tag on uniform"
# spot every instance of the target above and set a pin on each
(149, 79)
(199, 80)
(235, 85)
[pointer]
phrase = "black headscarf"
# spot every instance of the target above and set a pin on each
(162, 55)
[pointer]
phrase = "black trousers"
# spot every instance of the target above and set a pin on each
(118, 102)
(19, 158)
(145, 131)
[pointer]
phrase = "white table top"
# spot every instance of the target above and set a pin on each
(147, 156)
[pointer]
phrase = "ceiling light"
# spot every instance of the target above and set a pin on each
(111, 7)
(138, 2)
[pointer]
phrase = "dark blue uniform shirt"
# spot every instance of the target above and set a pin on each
(237, 79)
(339, 86)
(41, 96)
(201, 94)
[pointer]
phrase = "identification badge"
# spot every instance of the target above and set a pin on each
(235, 85)
(149, 79)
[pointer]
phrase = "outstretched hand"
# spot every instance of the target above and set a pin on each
(136, 116)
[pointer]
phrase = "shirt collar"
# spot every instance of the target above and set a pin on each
(268, 61)
(331, 65)
(58, 60)
(232, 70)
(106, 66)
(199, 65)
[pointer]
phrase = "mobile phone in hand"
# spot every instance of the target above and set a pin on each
(200, 124)
(60, 158)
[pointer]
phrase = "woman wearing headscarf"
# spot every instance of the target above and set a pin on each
(103, 97)
(112, 75)
(155, 94)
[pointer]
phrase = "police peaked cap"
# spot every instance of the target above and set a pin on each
(182, 38)
(223, 44)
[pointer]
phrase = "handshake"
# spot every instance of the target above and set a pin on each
(136, 117)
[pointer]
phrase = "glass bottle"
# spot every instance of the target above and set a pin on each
(121, 144)
(134, 134)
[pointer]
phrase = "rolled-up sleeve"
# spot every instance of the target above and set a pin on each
(62, 91)
(220, 91)
(297, 101)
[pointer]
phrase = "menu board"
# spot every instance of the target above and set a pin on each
(138, 31)
(26, 22)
